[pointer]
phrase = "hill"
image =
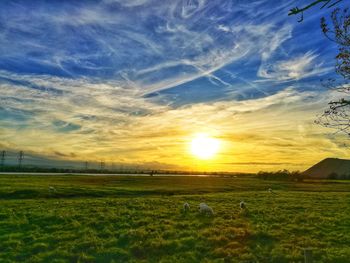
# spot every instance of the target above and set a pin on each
(330, 168)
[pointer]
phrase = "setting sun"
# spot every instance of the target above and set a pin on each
(204, 147)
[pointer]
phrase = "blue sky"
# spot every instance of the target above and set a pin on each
(132, 80)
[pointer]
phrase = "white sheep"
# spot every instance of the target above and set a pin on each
(242, 205)
(270, 191)
(52, 189)
(205, 209)
(186, 207)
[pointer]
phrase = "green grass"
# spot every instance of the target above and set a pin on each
(135, 219)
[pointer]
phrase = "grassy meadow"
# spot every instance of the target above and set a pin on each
(140, 219)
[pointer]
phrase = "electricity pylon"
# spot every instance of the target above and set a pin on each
(20, 158)
(2, 158)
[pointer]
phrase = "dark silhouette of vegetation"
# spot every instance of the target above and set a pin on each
(337, 116)
(150, 172)
(337, 30)
(332, 176)
(339, 176)
(89, 168)
(325, 3)
(282, 175)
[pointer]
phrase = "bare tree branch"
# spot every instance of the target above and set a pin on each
(326, 3)
(337, 115)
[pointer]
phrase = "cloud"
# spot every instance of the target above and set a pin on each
(100, 120)
(295, 68)
(261, 163)
(130, 81)
(129, 3)
(170, 44)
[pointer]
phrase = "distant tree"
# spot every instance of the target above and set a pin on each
(281, 175)
(342, 177)
(333, 175)
(297, 176)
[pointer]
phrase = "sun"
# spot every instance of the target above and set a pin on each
(204, 147)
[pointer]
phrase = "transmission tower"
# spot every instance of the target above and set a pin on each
(102, 165)
(86, 165)
(2, 158)
(20, 158)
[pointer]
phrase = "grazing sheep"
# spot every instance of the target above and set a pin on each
(242, 205)
(186, 207)
(205, 209)
(52, 189)
(270, 191)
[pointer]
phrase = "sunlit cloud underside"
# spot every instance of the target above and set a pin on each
(134, 81)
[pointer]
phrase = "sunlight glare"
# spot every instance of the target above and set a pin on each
(204, 147)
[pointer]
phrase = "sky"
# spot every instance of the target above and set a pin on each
(133, 82)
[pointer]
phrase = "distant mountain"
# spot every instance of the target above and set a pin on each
(330, 168)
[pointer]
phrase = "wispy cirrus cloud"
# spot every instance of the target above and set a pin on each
(107, 41)
(295, 68)
(131, 81)
(115, 126)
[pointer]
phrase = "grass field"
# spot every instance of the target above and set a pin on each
(140, 219)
